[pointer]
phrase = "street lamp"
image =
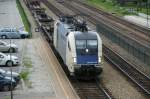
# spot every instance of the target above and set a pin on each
(10, 65)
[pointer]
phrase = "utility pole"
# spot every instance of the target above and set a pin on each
(10, 64)
(147, 7)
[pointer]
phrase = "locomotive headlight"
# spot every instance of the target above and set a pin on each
(75, 60)
(99, 60)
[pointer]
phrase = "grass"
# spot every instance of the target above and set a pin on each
(24, 75)
(112, 7)
(27, 62)
(7, 97)
(24, 18)
(26, 71)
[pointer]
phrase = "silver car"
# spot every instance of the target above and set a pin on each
(6, 47)
(8, 33)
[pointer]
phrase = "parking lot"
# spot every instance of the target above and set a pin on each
(29, 61)
(20, 43)
(9, 17)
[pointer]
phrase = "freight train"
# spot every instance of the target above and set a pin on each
(78, 47)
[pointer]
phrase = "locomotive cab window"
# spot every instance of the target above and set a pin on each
(85, 47)
(80, 44)
(92, 46)
(91, 43)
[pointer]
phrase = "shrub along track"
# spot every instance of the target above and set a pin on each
(137, 77)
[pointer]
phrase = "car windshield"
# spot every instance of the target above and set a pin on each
(2, 76)
(2, 71)
(2, 55)
(15, 30)
(3, 43)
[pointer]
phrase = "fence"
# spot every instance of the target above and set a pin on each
(133, 47)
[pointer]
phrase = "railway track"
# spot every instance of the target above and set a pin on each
(95, 18)
(55, 10)
(90, 89)
(137, 77)
(86, 90)
(142, 30)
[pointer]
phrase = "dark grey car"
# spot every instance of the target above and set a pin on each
(5, 83)
(15, 75)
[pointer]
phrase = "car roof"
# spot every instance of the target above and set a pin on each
(11, 28)
(2, 76)
(2, 54)
(1, 70)
(2, 41)
(8, 28)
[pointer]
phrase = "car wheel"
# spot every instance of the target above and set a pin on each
(9, 63)
(3, 36)
(6, 88)
(23, 36)
(11, 50)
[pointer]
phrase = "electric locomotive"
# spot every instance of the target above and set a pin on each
(79, 47)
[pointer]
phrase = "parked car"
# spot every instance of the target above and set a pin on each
(8, 33)
(15, 75)
(6, 47)
(5, 83)
(8, 60)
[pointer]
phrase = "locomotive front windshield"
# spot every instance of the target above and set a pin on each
(85, 47)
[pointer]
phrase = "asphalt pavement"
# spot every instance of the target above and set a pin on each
(9, 14)
(10, 17)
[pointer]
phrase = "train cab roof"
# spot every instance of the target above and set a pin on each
(85, 35)
(78, 28)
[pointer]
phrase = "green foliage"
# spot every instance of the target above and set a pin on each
(27, 62)
(112, 6)
(7, 97)
(24, 75)
(24, 17)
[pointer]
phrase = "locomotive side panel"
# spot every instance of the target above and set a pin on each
(61, 41)
(70, 52)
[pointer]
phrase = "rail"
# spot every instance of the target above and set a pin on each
(138, 77)
(136, 27)
(128, 69)
(90, 89)
(134, 74)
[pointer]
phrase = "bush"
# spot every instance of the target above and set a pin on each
(24, 75)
